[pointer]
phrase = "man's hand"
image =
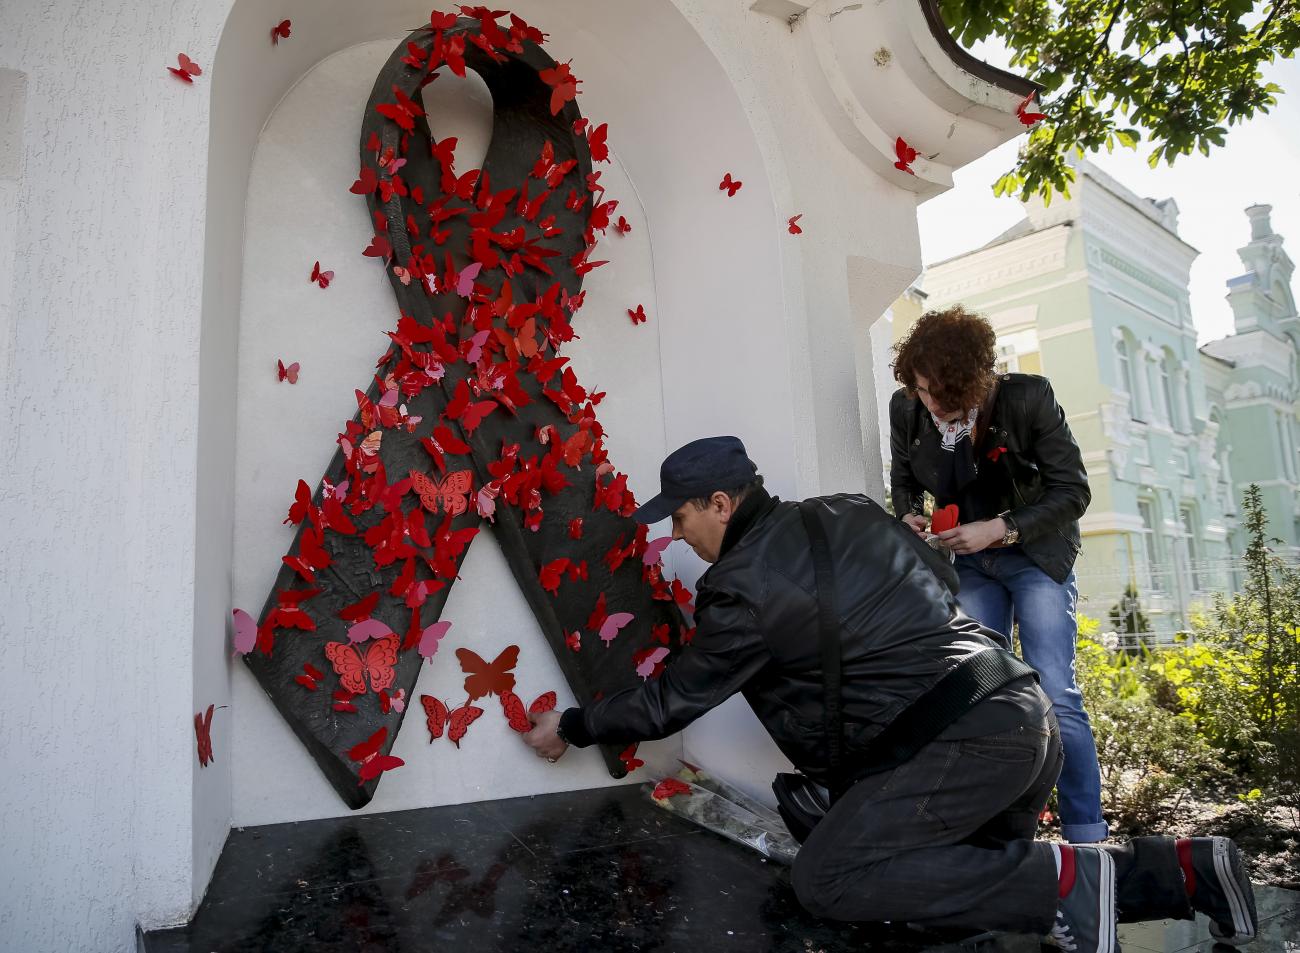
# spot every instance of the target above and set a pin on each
(974, 537)
(543, 739)
(916, 522)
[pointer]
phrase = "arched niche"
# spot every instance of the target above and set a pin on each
(706, 268)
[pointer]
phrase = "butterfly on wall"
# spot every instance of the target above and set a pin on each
(354, 662)
(485, 678)
(450, 494)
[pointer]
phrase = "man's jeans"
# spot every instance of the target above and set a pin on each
(999, 586)
(946, 839)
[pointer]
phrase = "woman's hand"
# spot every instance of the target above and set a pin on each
(916, 522)
(974, 537)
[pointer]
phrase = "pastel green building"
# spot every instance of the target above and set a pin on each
(1092, 291)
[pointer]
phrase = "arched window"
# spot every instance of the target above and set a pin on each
(1150, 544)
(1165, 392)
(1124, 374)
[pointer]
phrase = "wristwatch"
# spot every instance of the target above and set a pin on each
(1012, 535)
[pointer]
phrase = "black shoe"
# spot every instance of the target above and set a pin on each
(1219, 888)
(1085, 919)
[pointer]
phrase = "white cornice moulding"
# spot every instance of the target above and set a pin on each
(1038, 253)
(878, 73)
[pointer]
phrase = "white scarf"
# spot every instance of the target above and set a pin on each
(952, 431)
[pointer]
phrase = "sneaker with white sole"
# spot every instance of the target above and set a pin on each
(1085, 916)
(1218, 887)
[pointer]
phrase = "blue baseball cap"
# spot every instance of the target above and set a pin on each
(696, 470)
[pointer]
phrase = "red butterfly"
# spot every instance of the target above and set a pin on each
(311, 555)
(203, 735)
(484, 679)
(596, 143)
(622, 226)
(629, 758)
(795, 229)
(279, 32)
(668, 787)
(552, 573)
(343, 701)
(403, 112)
(1022, 111)
(564, 85)
(513, 707)
(944, 519)
(366, 182)
(188, 68)
(310, 677)
(352, 667)
(451, 494)
(469, 413)
(996, 453)
(289, 373)
(322, 278)
(435, 716)
(638, 316)
(906, 156)
(360, 611)
(729, 185)
(372, 762)
(459, 721)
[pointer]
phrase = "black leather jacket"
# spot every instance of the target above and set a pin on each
(758, 633)
(1047, 485)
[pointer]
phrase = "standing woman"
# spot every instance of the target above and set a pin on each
(998, 448)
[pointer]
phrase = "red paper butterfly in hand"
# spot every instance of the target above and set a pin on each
(795, 229)
(451, 493)
(322, 278)
(729, 185)
(289, 373)
(354, 663)
(906, 156)
(513, 707)
(944, 519)
(280, 32)
(485, 679)
(187, 70)
(1022, 111)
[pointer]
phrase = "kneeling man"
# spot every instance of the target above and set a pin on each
(936, 828)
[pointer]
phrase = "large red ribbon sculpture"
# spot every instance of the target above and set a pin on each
(472, 414)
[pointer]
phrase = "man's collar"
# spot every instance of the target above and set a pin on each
(751, 509)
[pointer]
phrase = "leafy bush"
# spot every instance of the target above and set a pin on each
(1223, 709)
(1151, 758)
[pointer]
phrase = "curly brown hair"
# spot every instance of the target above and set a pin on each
(956, 351)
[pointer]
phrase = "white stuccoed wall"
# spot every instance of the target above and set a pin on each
(122, 365)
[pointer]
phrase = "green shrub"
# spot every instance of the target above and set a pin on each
(1151, 758)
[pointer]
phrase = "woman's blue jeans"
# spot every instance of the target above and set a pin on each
(1001, 586)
